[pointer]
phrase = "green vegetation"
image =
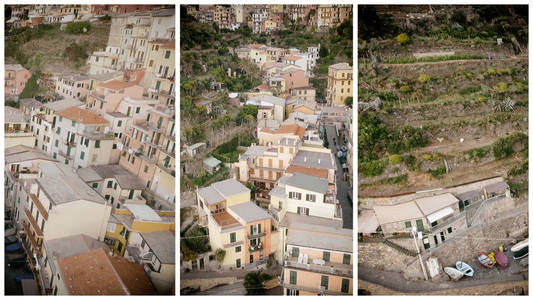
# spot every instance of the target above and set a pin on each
(410, 60)
(438, 172)
(220, 254)
(228, 152)
(372, 168)
(405, 89)
(348, 101)
(424, 78)
(401, 179)
(254, 282)
(395, 159)
(32, 87)
(519, 169)
(477, 152)
(78, 27)
(403, 39)
(518, 188)
(507, 146)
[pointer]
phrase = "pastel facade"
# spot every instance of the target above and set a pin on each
(15, 79)
(340, 83)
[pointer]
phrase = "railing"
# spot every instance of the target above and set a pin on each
(327, 267)
(256, 235)
(256, 248)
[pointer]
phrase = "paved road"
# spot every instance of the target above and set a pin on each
(227, 289)
(396, 281)
(343, 188)
(274, 270)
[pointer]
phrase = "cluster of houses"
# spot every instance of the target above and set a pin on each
(32, 15)
(273, 17)
(90, 178)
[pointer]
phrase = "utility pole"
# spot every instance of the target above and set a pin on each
(418, 252)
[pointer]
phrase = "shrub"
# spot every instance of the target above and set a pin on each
(438, 172)
(395, 159)
(77, 27)
(405, 89)
(401, 179)
(501, 87)
(470, 90)
(372, 168)
(504, 72)
(220, 254)
(477, 152)
(518, 170)
(491, 71)
(410, 161)
(402, 39)
(424, 78)
(505, 147)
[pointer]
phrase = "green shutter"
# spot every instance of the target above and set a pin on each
(346, 259)
(293, 277)
(251, 229)
(232, 237)
(408, 225)
(258, 228)
(419, 225)
(324, 281)
(345, 286)
(325, 256)
(295, 251)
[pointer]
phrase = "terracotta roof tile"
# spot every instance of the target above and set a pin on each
(292, 128)
(83, 116)
(96, 273)
(320, 173)
(292, 57)
(117, 84)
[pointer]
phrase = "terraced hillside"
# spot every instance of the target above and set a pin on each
(443, 97)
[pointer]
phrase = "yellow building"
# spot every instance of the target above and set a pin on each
(17, 128)
(340, 83)
(132, 220)
(160, 70)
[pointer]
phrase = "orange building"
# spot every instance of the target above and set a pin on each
(16, 77)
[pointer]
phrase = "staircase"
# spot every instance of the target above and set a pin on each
(399, 248)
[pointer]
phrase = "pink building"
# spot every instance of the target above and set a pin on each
(107, 96)
(294, 78)
(16, 77)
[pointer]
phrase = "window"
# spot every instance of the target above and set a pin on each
(86, 142)
(238, 249)
(66, 161)
(346, 259)
(238, 263)
(115, 187)
(145, 169)
(232, 237)
(57, 143)
(119, 123)
(324, 282)
(114, 146)
(345, 285)
(310, 197)
(293, 277)
(55, 155)
(167, 54)
(110, 184)
(433, 224)
(137, 110)
(295, 195)
(303, 211)
(58, 130)
(449, 230)
(95, 185)
(295, 251)
(82, 155)
(73, 123)
(419, 225)
(325, 256)
(408, 225)
(97, 144)
(107, 197)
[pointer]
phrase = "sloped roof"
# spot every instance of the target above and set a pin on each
(320, 173)
(96, 273)
(117, 84)
(249, 212)
(397, 213)
(308, 182)
(431, 204)
(163, 244)
(83, 116)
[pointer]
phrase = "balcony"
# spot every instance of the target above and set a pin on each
(31, 237)
(39, 206)
(256, 248)
(64, 154)
(33, 223)
(273, 212)
(320, 266)
(256, 235)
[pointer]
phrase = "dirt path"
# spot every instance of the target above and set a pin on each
(433, 63)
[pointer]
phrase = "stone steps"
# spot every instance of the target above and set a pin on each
(399, 248)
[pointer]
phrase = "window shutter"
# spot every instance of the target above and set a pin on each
(259, 228)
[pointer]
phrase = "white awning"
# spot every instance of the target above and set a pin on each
(440, 214)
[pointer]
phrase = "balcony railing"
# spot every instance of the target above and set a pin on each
(256, 235)
(320, 266)
(256, 248)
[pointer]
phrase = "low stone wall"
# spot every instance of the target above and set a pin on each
(206, 283)
(507, 288)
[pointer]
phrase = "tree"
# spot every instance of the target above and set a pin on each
(254, 282)
(324, 52)
(220, 254)
(78, 27)
(403, 38)
(348, 101)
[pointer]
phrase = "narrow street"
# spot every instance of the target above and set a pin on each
(343, 188)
